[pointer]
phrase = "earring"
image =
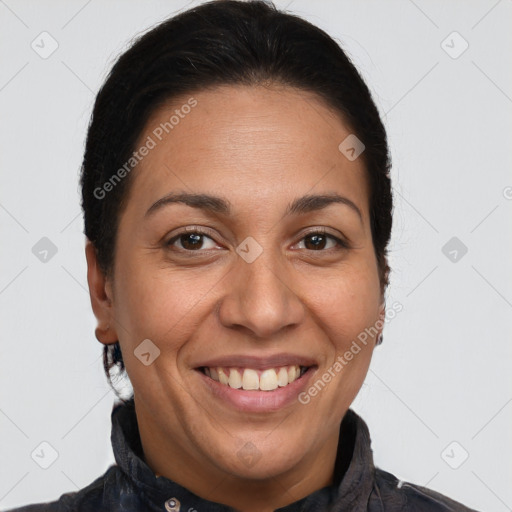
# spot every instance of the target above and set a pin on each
(380, 339)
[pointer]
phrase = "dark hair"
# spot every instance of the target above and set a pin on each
(222, 42)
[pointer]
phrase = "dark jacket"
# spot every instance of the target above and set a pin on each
(131, 486)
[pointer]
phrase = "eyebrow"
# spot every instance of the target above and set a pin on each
(218, 205)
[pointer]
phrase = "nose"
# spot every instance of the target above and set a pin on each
(261, 298)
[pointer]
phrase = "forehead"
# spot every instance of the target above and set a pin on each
(248, 143)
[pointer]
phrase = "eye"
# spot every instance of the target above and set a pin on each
(318, 239)
(191, 240)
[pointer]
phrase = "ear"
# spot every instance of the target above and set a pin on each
(100, 291)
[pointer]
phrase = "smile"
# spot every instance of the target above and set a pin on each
(257, 380)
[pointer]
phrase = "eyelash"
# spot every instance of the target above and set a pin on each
(200, 231)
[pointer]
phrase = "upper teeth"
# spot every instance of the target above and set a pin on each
(247, 378)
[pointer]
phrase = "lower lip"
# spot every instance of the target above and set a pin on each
(258, 401)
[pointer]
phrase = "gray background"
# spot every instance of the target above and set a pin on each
(443, 374)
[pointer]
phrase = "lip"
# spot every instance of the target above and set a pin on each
(257, 401)
(258, 362)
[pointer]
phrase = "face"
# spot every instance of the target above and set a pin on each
(257, 285)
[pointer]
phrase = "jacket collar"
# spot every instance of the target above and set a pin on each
(352, 483)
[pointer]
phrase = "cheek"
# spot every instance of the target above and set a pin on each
(159, 304)
(347, 304)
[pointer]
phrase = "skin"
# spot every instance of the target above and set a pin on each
(260, 148)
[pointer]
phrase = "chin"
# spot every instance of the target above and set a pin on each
(257, 460)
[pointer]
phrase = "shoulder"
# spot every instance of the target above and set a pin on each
(391, 494)
(93, 498)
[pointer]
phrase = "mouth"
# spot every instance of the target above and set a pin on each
(251, 379)
(256, 390)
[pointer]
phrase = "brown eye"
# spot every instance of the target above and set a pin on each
(318, 241)
(315, 242)
(190, 241)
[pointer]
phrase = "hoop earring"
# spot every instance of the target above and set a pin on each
(380, 339)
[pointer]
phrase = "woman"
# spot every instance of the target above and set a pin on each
(238, 206)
